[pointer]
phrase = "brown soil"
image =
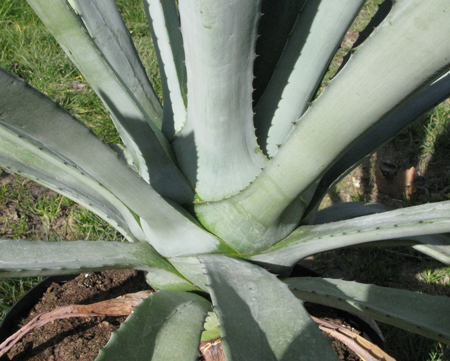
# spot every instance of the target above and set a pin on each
(81, 338)
(78, 338)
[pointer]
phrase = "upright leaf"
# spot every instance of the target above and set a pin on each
(274, 28)
(108, 31)
(411, 40)
(166, 33)
(316, 35)
(409, 111)
(148, 147)
(217, 148)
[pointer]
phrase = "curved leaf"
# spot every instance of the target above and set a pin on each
(259, 317)
(422, 314)
(148, 147)
(30, 114)
(164, 327)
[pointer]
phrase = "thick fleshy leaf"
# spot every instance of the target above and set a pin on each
(148, 147)
(164, 327)
(433, 245)
(217, 148)
(312, 43)
(395, 226)
(259, 318)
(402, 56)
(422, 314)
(45, 167)
(38, 120)
(190, 268)
(390, 125)
(274, 28)
(36, 258)
(165, 27)
(108, 31)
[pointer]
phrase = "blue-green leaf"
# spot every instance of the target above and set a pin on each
(312, 43)
(108, 31)
(217, 148)
(150, 150)
(422, 314)
(164, 327)
(259, 318)
(165, 27)
(395, 226)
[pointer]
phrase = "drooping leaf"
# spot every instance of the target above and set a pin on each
(164, 327)
(259, 317)
(422, 314)
(434, 245)
(39, 121)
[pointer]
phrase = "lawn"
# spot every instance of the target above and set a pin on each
(28, 210)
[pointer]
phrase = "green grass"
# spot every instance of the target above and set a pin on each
(28, 50)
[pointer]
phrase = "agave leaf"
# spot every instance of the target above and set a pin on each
(217, 148)
(334, 121)
(75, 256)
(375, 80)
(190, 268)
(108, 31)
(51, 169)
(165, 27)
(251, 306)
(439, 252)
(396, 226)
(22, 157)
(164, 327)
(33, 116)
(422, 314)
(277, 20)
(316, 35)
(37, 258)
(150, 150)
(347, 210)
(391, 124)
(433, 245)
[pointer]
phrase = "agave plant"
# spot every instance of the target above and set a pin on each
(217, 190)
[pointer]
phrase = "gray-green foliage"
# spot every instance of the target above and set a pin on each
(209, 204)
